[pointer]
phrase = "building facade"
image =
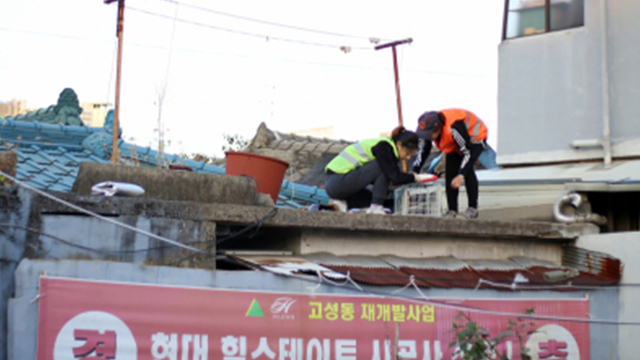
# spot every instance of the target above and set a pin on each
(568, 81)
(13, 108)
(94, 113)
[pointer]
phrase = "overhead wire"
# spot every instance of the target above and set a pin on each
(245, 33)
(150, 46)
(87, 248)
(113, 62)
(510, 285)
(455, 306)
(292, 27)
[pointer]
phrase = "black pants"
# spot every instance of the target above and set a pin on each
(352, 186)
(452, 169)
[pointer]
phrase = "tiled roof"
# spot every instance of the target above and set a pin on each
(50, 168)
(448, 272)
(26, 133)
(49, 155)
(301, 152)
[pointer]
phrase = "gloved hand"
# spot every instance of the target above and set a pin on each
(425, 177)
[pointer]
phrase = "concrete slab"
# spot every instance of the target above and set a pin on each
(302, 219)
(170, 184)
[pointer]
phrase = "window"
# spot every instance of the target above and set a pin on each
(528, 17)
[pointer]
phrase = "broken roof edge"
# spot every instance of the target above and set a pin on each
(534, 275)
(331, 221)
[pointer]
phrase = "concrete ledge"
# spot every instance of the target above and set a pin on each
(302, 219)
(170, 184)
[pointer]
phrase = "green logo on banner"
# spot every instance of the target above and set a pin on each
(254, 309)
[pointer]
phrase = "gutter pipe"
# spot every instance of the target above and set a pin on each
(575, 200)
(605, 142)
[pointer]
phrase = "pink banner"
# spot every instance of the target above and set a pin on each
(102, 320)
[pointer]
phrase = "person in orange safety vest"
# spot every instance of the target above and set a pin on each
(462, 137)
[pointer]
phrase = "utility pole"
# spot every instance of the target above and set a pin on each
(393, 45)
(116, 118)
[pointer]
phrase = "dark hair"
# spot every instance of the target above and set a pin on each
(408, 139)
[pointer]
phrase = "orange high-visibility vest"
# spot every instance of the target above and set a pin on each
(476, 128)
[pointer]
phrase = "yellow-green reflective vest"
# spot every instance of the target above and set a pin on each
(356, 155)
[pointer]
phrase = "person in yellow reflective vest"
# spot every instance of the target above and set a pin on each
(371, 162)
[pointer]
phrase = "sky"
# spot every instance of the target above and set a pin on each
(226, 66)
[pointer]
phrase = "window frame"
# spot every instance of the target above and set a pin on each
(547, 19)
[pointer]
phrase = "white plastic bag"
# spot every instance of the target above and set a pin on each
(111, 188)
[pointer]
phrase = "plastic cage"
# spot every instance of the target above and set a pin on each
(423, 199)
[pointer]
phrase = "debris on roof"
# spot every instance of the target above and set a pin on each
(519, 273)
(287, 265)
(592, 263)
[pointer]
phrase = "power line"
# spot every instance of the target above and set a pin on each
(372, 39)
(425, 300)
(78, 246)
(240, 32)
(158, 47)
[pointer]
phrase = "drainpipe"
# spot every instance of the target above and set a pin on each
(605, 142)
(606, 132)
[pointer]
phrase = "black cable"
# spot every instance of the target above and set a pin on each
(256, 225)
(99, 251)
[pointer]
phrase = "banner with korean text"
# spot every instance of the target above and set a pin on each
(103, 320)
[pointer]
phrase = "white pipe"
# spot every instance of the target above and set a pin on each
(575, 200)
(586, 143)
(606, 132)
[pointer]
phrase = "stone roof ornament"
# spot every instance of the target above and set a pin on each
(67, 111)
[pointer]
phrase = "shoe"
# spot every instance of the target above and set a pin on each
(373, 209)
(470, 213)
(450, 214)
(341, 205)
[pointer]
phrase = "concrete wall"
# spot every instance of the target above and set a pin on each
(14, 209)
(551, 91)
(626, 247)
(117, 243)
(27, 233)
(415, 246)
(23, 313)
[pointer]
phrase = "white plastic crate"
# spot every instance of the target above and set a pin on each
(423, 199)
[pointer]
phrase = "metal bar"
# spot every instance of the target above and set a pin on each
(116, 118)
(606, 102)
(547, 15)
(504, 19)
(395, 72)
(394, 43)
